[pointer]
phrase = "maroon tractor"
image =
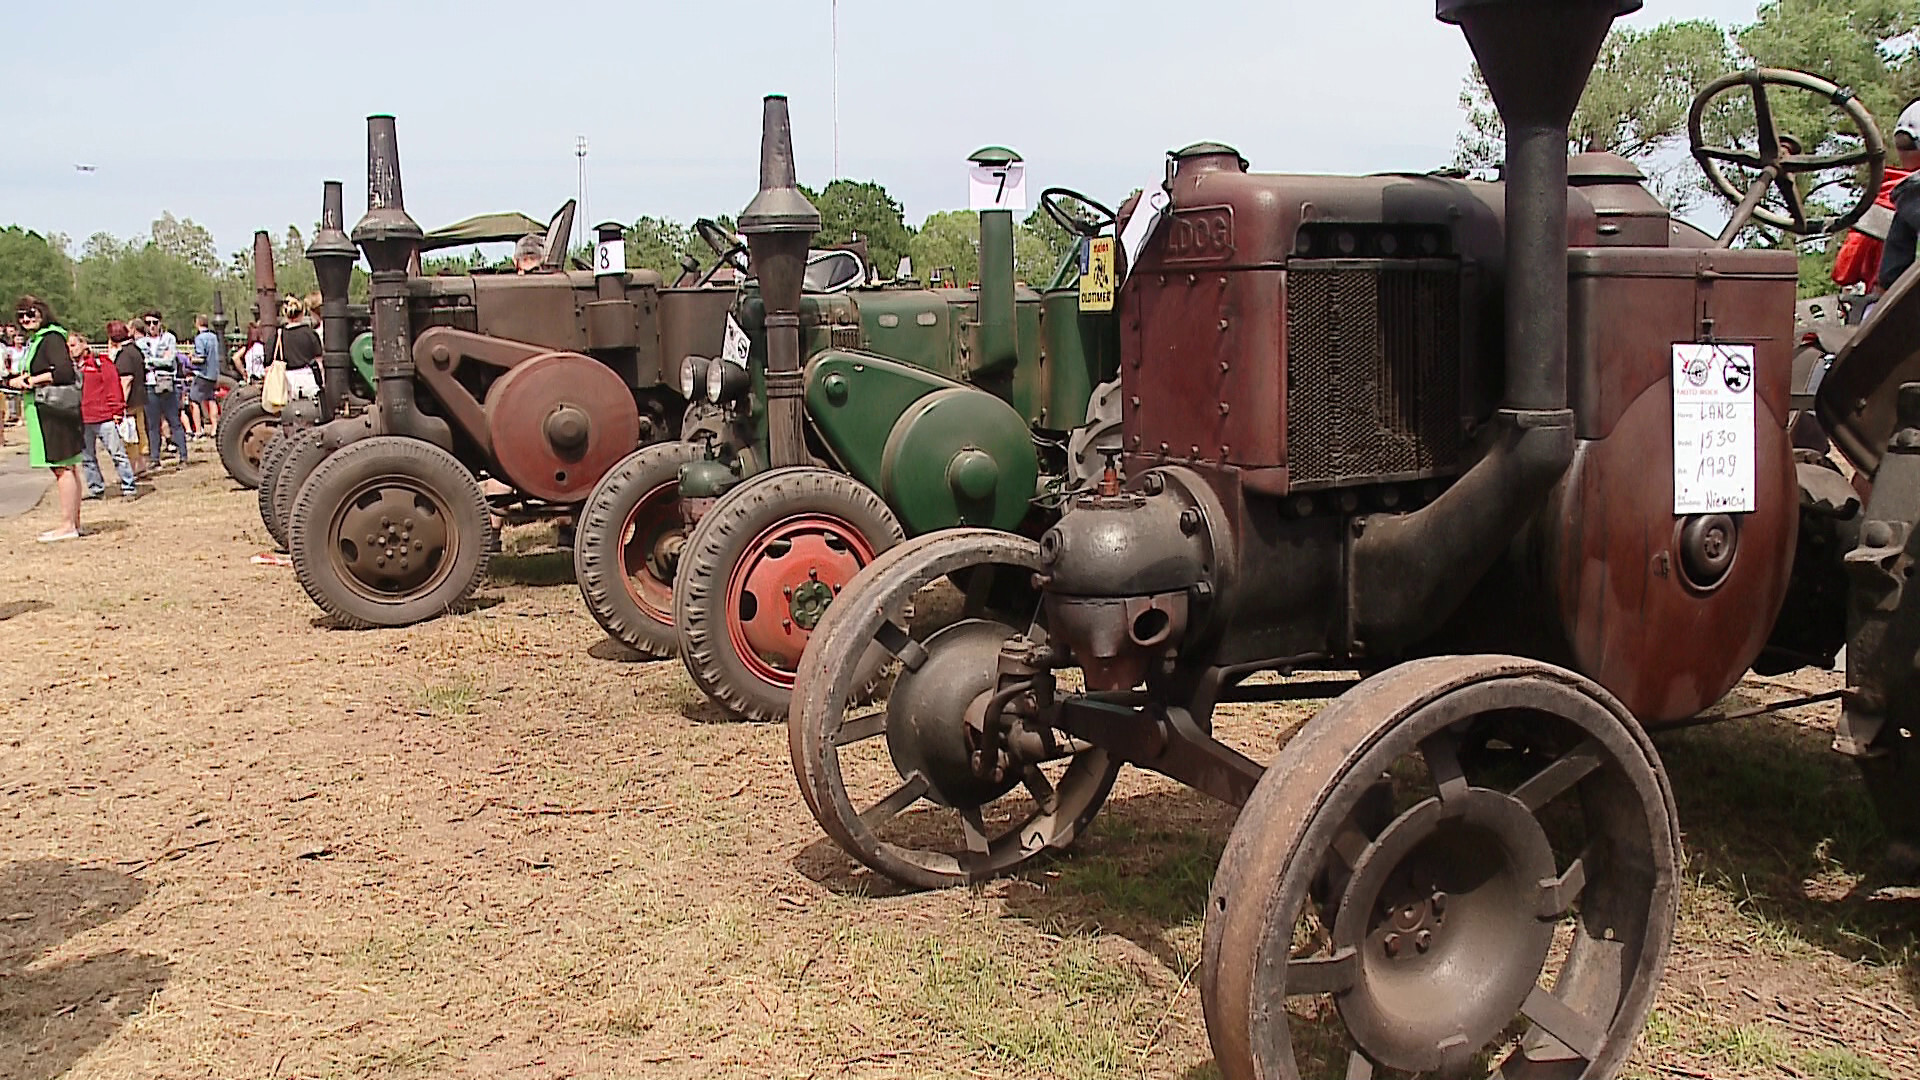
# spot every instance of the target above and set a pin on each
(1517, 453)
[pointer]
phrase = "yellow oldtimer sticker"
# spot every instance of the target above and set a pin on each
(1096, 274)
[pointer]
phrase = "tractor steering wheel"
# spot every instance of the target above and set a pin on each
(1777, 167)
(1072, 222)
(730, 252)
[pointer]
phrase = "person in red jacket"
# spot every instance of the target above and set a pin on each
(1859, 259)
(101, 408)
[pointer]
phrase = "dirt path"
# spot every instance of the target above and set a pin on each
(234, 843)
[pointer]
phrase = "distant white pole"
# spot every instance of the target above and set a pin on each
(580, 219)
(835, 4)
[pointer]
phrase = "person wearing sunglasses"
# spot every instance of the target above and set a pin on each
(163, 389)
(54, 438)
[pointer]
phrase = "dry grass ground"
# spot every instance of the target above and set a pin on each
(235, 843)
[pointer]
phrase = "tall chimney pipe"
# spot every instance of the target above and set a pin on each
(1536, 56)
(333, 256)
(266, 292)
(391, 240)
(220, 322)
(779, 225)
(1411, 572)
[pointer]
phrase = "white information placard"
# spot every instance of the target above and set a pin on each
(997, 187)
(1713, 429)
(1147, 213)
(734, 347)
(610, 257)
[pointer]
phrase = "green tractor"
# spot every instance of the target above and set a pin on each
(916, 409)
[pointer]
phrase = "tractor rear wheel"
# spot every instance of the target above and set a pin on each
(895, 785)
(242, 435)
(628, 544)
(1528, 890)
(304, 454)
(389, 531)
(758, 572)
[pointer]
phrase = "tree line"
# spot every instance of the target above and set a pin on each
(176, 269)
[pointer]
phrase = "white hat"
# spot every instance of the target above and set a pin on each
(1909, 122)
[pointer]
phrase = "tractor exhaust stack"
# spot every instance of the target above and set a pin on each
(779, 225)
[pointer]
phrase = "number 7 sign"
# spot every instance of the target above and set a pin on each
(997, 187)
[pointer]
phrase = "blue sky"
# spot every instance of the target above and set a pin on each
(244, 109)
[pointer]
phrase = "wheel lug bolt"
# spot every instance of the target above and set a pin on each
(1439, 902)
(1393, 944)
(813, 572)
(787, 589)
(381, 561)
(372, 540)
(1423, 940)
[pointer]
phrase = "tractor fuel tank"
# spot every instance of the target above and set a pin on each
(1666, 611)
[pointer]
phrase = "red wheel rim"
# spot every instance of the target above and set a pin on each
(650, 543)
(780, 586)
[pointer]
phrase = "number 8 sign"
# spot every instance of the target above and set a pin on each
(610, 257)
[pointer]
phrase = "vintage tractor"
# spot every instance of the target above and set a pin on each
(1512, 453)
(333, 254)
(916, 409)
(538, 382)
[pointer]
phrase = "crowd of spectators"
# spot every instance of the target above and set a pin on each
(140, 388)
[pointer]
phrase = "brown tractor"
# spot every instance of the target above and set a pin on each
(1517, 453)
(538, 382)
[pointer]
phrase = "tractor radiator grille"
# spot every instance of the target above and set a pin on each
(1373, 373)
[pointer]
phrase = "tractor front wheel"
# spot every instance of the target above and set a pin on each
(628, 546)
(304, 455)
(242, 435)
(389, 531)
(759, 571)
(271, 456)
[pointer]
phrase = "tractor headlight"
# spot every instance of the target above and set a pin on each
(726, 381)
(693, 378)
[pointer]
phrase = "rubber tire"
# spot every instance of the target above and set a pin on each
(718, 542)
(598, 562)
(270, 458)
(346, 469)
(304, 455)
(241, 411)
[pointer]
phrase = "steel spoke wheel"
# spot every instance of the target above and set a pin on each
(1531, 821)
(894, 784)
(389, 531)
(245, 429)
(628, 545)
(759, 571)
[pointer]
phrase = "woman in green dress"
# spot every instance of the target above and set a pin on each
(54, 439)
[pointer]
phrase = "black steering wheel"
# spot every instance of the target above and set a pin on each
(1776, 164)
(729, 252)
(1050, 201)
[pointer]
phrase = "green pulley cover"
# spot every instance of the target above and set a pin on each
(959, 456)
(362, 352)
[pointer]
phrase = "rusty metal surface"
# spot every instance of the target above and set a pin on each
(1312, 802)
(557, 422)
(821, 727)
